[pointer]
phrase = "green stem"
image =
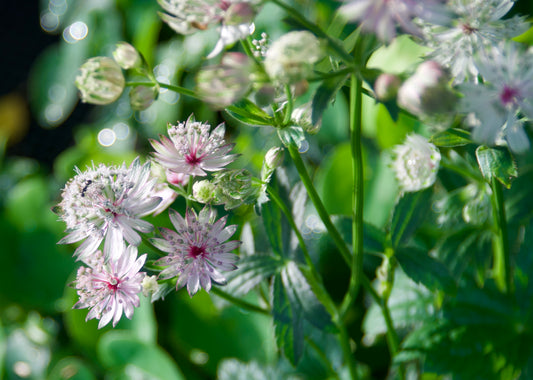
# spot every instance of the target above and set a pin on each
(171, 87)
(321, 210)
(335, 45)
(357, 194)
(239, 302)
(288, 108)
(500, 241)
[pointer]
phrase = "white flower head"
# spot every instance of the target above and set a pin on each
(478, 25)
(107, 202)
(383, 17)
(110, 289)
(192, 149)
(100, 81)
(416, 163)
(499, 106)
(198, 250)
(233, 18)
(291, 57)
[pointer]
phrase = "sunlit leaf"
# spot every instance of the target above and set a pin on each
(451, 138)
(497, 163)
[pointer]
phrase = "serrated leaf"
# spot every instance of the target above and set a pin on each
(408, 214)
(249, 113)
(301, 297)
(288, 323)
(451, 138)
(271, 216)
(252, 270)
(292, 136)
(497, 163)
(324, 95)
(425, 270)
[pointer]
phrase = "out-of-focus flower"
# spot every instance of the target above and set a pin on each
(416, 163)
(234, 18)
(192, 149)
(499, 106)
(382, 17)
(149, 285)
(203, 191)
(428, 91)
(178, 179)
(100, 81)
(233, 188)
(291, 57)
(109, 289)
(142, 97)
(386, 86)
(107, 202)
(198, 251)
(302, 117)
(225, 83)
(127, 56)
(478, 25)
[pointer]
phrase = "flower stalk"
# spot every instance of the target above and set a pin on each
(500, 242)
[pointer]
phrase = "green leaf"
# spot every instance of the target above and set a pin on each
(301, 297)
(497, 163)
(425, 270)
(118, 349)
(292, 136)
(252, 270)
(249, 113)
(288, 323)
(271, 215)
(451, 138)
(408, 214)
(324, 95)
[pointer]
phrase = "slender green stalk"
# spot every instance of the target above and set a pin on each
(335, 45)
(288, 108)
(171, 87)
(500, 242)
(322, 212)
(239, 302)
(357, 194)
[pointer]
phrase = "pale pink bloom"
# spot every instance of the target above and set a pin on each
(198, 251)
(108, 203)
(192, 149)
(109, 289)
(383, 17)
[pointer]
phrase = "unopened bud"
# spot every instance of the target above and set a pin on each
(239, 13)
(127, 56)
(149, 285)
(427, 91)
(233, 187)
(274, 157)
(101, 81)
(291, 58)
(386, 86)
(203, 191)
(142, 97)
(416, 163)
(302, 117)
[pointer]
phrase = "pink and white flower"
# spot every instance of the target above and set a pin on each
(108, 203)
(198, 250)
(192, 149)
(110, 289)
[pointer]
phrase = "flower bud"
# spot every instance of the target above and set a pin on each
(302, 116)
(239, 13)
(274, 157)
(127, 56)
(233, 188)
(291, 58)
(142, 97)
(386, 86)
(100, 81)
(149, 285)
(224, 84)
(427, 91)
(203, 191)
(416, 163)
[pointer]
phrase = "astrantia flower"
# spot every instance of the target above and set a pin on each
(416, 163)
(110, 288)
(382, 17)
(234, 18)
(198, 251)
(192, 150)
(107, 202)
(499, 107)
(100, 81)
(478, 25)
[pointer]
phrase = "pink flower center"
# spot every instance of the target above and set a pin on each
(508, 96)
(113, 284)
(195, 251)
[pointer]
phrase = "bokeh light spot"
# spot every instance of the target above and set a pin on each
(107, 137)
